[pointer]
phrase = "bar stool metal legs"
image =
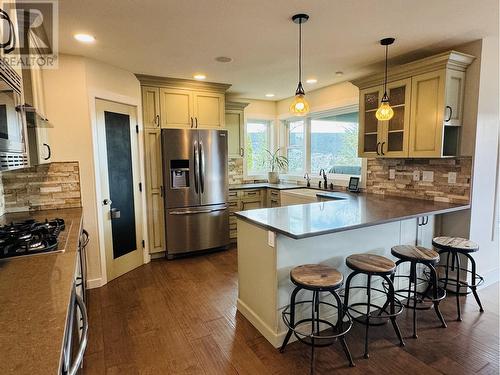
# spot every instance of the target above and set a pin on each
(454, 247)
(317, 279)
(366, 316)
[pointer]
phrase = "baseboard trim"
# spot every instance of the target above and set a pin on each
(94, 283)
(263, 328)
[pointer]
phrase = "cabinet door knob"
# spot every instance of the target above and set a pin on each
(450, 113)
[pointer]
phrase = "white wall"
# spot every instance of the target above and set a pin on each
(484, 227)
(70, 93)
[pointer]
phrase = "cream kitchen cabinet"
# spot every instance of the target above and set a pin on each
(180, 103)
(235, 126)
(384, 138)
(209, 109)
(154, 190)
(427, 97)
(151, 107)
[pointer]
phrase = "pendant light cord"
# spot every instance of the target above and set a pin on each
(385, 80)
(300, 50)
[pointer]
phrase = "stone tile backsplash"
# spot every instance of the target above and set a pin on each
(404, 185)
(235, 171)
(43, 187)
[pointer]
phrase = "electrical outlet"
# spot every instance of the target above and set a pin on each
(428, 176)
(416, 175)
(452, 177)
(392, 174)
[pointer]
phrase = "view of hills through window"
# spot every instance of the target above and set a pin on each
(257, 142)
(334, 144)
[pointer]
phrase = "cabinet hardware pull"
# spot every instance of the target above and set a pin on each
(450, 113)
(382, 148)
(242, 151)
(50, 152)
(196, 122)
(157, 120)
(192, 123)
(378, 145)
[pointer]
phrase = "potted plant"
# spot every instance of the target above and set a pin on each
(276, 163)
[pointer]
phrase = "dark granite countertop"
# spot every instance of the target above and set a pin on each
(35, 294)
(355, 211)
(265, 185)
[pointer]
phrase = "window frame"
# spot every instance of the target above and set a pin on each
(344, 178)
(269, 124)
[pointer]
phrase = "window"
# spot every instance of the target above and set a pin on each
(257, 142)
(334, 144)
(295, 146)
(328, 142)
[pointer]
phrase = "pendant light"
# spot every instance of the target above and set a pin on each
(299, 106)
(385, 112)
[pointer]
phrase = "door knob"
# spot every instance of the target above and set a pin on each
(107, 202)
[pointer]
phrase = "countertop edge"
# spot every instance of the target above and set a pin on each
(265, 185)
(350, 227)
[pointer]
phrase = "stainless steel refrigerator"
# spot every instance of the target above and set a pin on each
(195, 182)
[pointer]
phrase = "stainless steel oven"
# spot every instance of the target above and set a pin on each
(12, 120)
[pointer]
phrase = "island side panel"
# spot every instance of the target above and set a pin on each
(257, 279)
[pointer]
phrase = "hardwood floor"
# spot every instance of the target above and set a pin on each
(179, 317)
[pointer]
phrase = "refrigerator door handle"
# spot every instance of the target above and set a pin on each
(196, 164)
(202, 168)
(193, 212)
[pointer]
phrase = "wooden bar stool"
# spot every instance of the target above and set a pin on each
(318, 279)
(373, 265)
(453, 247)
(416, 255)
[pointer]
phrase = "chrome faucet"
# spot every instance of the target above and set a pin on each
(308, 179)
(323, 173)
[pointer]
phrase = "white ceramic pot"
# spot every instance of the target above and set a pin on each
(273, 177)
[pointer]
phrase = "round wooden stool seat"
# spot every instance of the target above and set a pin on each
(370, 263)
(415, 253)
(455, 243)
(316, 276)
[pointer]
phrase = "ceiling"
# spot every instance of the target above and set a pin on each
(176, 38)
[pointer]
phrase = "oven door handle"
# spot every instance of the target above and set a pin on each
(83, 341)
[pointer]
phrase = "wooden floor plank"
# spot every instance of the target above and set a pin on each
(180, 317)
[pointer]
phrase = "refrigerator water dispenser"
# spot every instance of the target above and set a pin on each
(179, 170)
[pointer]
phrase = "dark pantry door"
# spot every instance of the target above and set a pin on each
(119, 180)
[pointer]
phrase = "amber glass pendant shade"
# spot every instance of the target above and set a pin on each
(384, 112)
(299, 106)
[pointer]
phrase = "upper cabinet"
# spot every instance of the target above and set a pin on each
(427, 98)
(179, 103)
(384, 138)
(235, 125)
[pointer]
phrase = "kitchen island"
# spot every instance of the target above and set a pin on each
(272, 241)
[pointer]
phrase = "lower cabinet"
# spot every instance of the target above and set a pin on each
(249, 199)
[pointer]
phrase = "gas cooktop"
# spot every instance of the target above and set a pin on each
(29, 237)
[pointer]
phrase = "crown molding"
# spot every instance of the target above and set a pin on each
(168, 82)
(238, 106)
(447, 60)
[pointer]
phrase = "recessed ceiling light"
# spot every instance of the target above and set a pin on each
(339, 73)
(312, 80)
(199, 76)
(223, 59)
(85, 38)
(269, 95)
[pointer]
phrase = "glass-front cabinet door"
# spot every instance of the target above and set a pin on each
(396, 130)
(385, 138)
(369, 131)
